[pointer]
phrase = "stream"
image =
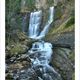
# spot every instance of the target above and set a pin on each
(41, 51)
(39, 55)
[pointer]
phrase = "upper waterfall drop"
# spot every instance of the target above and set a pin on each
(50, 20)
(51, 14)
(35, 20)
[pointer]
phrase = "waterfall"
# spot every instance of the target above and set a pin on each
(44, 49)
(41, 51)
(34, 25)
(40, 55)
(35, 19)
(50, 20)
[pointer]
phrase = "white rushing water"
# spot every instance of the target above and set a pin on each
(46, 27)
(35, 21)
(41, 51)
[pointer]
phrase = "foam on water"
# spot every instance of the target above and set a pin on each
(35, 19)
(50, 20)
(41, 51)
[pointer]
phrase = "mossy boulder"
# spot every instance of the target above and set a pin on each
(62, 63)
(18, 46)
(62, 35)
(21, 35)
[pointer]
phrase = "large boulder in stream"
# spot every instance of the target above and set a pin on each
(63, 62)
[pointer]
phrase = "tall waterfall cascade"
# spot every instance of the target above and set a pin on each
(41, 51)
(35, 21)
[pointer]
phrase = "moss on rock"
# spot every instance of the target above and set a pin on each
(21, 44)
(18, 48)
(73, 76)
(62, 63)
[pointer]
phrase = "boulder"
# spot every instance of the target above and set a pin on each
(62, 62)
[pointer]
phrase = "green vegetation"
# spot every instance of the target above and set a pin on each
(30, 4)
(58, 12)
(50, 2)
(70, 22)
(73, 76)
(27, 5)
(66, 26)
(17, 48)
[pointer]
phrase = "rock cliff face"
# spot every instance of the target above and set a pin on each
(63, 61)
(61, 35)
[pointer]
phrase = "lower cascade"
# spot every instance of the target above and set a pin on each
(40, 55)
(41, 51)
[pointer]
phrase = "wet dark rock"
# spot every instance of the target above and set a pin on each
(34, 74)
(63, 63)
(62, 40)
(47, 73)
(16, 67)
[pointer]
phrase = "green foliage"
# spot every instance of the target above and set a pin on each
(65, 26)
(13, 18)
(70, 22)
(30, 4)
(50, 2)
(12, 11)
(73, 76)
(58, 12)
(27, 5)
(17, 49)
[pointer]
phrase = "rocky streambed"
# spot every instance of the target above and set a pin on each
(18, 63)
